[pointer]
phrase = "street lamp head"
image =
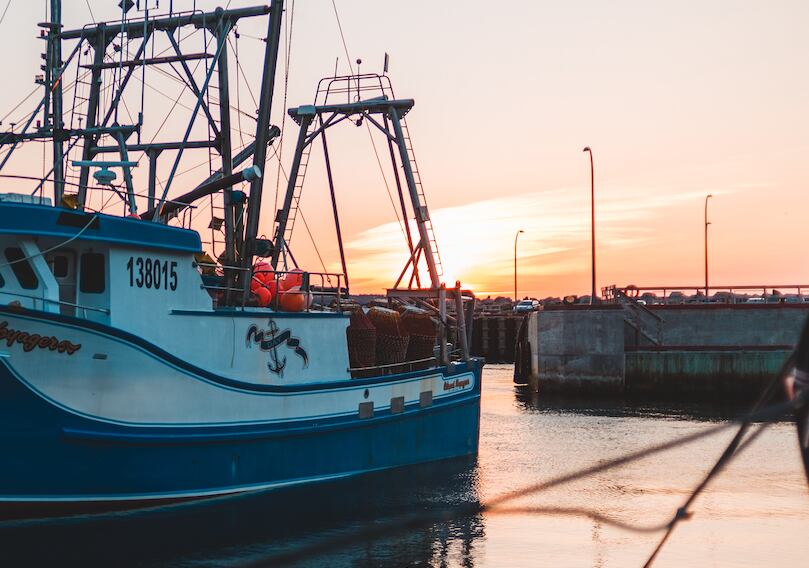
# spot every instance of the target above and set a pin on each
(709, 195)
(587, 149)
(520, 231)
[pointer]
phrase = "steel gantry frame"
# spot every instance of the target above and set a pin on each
(314, 121)
(240, 237)
(328, 115)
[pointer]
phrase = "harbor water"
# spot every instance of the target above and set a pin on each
(756, 510)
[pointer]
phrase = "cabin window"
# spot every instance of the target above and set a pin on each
(22, 268)
(59, 266)
(92, 273)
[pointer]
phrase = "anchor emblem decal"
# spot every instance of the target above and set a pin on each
(270, 340)
(277, 365)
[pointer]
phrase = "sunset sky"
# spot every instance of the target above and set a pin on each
(677, 100)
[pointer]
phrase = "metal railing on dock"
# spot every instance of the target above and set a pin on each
(740, 294)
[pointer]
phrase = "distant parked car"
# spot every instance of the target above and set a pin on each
(756, 300)
(526, 306)
(676, 298)
(649, 298)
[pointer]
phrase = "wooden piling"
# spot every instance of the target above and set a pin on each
(494, 337)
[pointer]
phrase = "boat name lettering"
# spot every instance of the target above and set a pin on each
(457, 383)
(270, 339)
(152, 273)
(31, 341)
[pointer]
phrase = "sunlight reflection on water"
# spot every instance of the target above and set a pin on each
(756, 513)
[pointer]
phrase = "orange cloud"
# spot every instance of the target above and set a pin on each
(476, 240)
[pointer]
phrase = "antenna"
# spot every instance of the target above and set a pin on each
(357, 97)
(385, 64)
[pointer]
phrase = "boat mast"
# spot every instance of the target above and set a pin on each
(99, 42)
(262, 137)
(226, 153)
(54, 59)
(101, 124)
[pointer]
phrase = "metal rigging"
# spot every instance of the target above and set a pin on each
(102, 133)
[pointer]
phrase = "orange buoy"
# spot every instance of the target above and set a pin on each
(264, 296)
(292, 279)
(293, 300)
(263, 272)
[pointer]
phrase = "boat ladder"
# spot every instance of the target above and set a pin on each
(411, 156)
(299, 180)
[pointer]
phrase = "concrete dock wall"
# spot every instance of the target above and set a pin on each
(702, 350)
(581, 352)
(726, 325)
(735, 373)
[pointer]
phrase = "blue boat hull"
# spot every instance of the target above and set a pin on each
(54, 456)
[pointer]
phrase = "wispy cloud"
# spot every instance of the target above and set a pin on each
(476, 240)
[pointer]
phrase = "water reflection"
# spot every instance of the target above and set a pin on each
(703, 411)
(248, 528)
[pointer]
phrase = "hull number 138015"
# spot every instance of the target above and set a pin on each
(152, 273)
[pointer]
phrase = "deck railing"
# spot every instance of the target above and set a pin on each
(323, 291)
(79, 308)
(392, 368)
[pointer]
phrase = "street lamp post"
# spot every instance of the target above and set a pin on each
(592, 224)
(706, 243)
(515, 263)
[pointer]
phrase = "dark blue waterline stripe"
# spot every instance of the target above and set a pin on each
(287, 431)
(218, 379)
(187, 426)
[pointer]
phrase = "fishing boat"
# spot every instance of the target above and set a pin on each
(139, 362)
